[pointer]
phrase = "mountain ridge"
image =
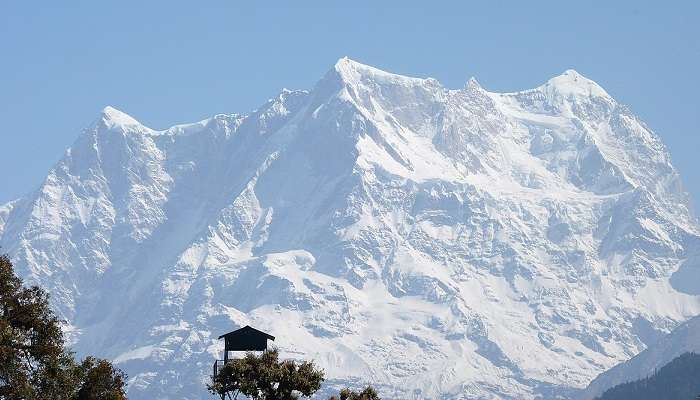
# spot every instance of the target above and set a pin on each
(682, 340)
(438, 243)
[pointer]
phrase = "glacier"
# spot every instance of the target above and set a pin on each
(435, 243)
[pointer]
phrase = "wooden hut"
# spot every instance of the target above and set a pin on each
(243, 339)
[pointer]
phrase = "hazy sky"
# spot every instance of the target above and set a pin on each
(168, 62)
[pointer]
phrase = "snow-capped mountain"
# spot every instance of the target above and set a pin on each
(437, 243)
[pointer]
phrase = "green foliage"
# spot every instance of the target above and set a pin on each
(100, 380)
(264, 377)
(367, 394)
(677, 380)
(34, 364)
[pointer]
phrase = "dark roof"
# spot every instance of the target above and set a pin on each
(247, 330)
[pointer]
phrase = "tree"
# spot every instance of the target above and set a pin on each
(100, 381)
(367, 394)
(34, 364)
(264, 377)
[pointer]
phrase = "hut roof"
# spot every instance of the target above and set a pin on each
(246, 331)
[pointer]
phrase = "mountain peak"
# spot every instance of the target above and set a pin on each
(346, 64)
(343, 61)
(351, 71)
(572, 73)
(572, 82)
(113, 117)
(472, 83)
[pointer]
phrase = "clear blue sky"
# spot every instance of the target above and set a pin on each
(167, 62)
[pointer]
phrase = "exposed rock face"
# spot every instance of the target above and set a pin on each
(436, 243)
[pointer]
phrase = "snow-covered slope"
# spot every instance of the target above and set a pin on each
(684, 339)
(436, 243)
